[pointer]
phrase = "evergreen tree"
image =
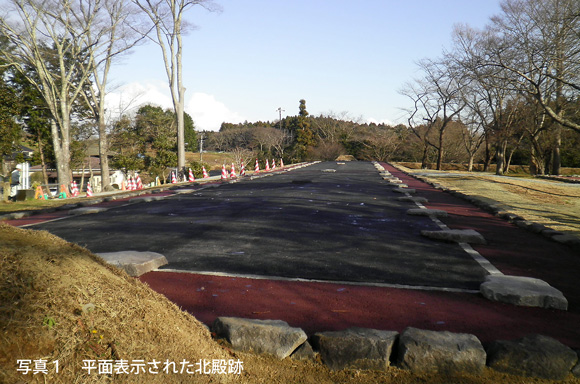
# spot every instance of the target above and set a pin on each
(9, 130)
(304, 135)
(157, 127)
(190, 134)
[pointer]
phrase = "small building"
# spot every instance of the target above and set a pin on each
(89, 170)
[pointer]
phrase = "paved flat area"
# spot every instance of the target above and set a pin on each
(345, 230)
(328, 221)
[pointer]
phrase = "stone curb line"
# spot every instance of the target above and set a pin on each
(562, 179)
(420, 351)
(557, 236)
(516, 290)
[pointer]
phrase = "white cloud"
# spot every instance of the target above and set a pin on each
(130, 97)
(207, 112)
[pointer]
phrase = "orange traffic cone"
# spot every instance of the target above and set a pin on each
(205, 175)
(243, 170)
(173, 178)
(273, 164)
(281, 163)
(267, 165)
(257, 168)
(63, 193)
(224, 173)
(191, 177)
(233, 171)
(39, 194)
(139, 182)
(89, 189)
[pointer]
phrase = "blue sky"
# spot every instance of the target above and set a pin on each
(340, 56)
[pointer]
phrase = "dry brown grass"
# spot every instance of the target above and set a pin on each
(215, 160)
(548, 202)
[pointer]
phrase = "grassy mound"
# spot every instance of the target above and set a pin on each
(62, 303)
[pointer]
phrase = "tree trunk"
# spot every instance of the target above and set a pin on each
(42, 159)
(537, 161)
(61, 143)
(440, 150)
(179, 108)
(500, 158)
(424, 159)
(103, 154)
(556, 158)
(470, 164)
(487, 160)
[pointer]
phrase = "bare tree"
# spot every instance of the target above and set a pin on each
(280, 140)
(446, 86)
(488, 93)
(167, 19)
(538, 41)
(115, 36)
(382, 143)
(437, 100)
(262, 138)
(474, 132)
(49, 45)
(421, 117)
(242, 156)
(335, 127)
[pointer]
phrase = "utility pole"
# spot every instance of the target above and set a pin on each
(280, 110)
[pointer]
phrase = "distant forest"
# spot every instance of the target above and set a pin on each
(326, 137)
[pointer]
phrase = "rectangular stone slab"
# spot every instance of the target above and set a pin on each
(133, 262)
(523, 291)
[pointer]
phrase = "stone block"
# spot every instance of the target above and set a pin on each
(423, 351)
(67, 207)
(427, 212)
(524, 223)
(506, 215)
(304, 352)
(523, 291)
(456, 235)
(184, 191)
(17, 215)
(567, 239)
(576, 369)
(133, 262)
(273, 337)
(90, 202)
(404, 190)
(549, 233)
(532, 356)
(355, 348)
(146, 199)
(413, 199)
(87, 210)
